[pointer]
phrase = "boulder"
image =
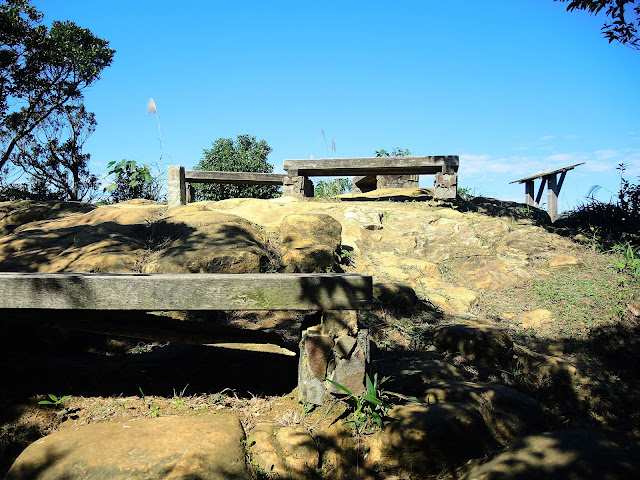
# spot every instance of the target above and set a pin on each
(429, 439)
(110, 238)
(203, 447)
(309, 242)
(207, 241)
(564, 455)
(481, 343)
(508, 414)
(306, 230)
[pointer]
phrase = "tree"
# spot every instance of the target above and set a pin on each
(396, 152)
(244, 155)
(41, 70)
(623, 15)
(132, 181)
(52, 153)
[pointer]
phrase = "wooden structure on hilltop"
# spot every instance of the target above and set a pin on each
(554, 185)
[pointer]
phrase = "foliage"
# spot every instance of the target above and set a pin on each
(244, 155)
(41, 70)
(131, 181)
(629, 259)
(52, 154)
(335, 187)
(54, 400)
(369, 408)
(623, 15)
(610, 223)
(396, 152)
(468, 193)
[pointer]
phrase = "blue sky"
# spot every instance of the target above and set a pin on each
(514, 87)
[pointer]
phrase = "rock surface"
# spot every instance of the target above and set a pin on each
(507, 413)
(565, 455)
(203, 447)
(428, 439)
(484, 344)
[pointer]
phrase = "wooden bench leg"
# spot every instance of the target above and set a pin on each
(336, 350)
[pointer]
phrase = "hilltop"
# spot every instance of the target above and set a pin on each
(482, 306)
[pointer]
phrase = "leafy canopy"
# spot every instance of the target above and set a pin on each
(131, 181)
(41, 70)
(245, 154)
(396, 152)
(52, 154)
(623, 15)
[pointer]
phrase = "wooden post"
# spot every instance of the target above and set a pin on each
(552, 192)
(176, 192)
(529, 188)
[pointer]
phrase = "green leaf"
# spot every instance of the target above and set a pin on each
(377, 419)
(372, 399)
(341, 387)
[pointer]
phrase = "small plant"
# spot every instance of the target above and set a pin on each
(344, 256)
(54, 400)
(628, 260)
(131, 181)
(369, 408)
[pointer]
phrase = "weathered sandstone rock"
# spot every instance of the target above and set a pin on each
(564, 455)
(507, 413)
(427, 439)
(481, 343)
(204, 447)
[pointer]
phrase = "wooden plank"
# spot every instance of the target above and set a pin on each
(544, 174)
(234, 178)
(372, 166)
(268, 291)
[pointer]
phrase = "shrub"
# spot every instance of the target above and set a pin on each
(244, 155)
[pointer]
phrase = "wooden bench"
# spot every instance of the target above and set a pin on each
(108, 298)
(180, 189)
(443, 167)
(554, 185)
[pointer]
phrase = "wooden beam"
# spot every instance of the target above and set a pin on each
(234, 178)
(372, 166)
(540, 190)
(165, 292)
(544, 174)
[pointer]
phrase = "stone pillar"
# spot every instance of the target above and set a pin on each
(445, 186)
(297, 186)
(333, 350)
(176, 192)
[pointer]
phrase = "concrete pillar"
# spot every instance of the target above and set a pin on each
(297, 186)
(176, 191)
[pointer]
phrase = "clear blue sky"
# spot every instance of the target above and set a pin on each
(512, 86)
